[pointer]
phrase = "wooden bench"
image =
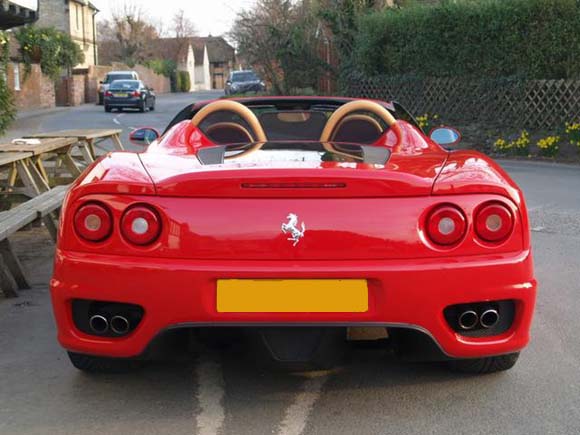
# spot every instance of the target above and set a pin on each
(40, 207)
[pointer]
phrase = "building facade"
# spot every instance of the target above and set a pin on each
(78, 19)
(15, 13)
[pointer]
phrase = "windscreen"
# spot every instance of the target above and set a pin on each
(244, 77)
(113, 77)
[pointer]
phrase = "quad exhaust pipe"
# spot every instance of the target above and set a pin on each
(119, 325)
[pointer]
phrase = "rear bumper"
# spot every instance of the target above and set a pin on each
(133, 102)
(402, 293)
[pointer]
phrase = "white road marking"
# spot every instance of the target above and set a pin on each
(210, 394)
(297, 414)
(116, 119)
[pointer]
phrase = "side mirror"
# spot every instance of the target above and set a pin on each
(144, 136)
(151, 89)
(445, 136)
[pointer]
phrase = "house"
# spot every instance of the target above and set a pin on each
(221, 58)
(15, 13)
(208, 60)
(77, 18)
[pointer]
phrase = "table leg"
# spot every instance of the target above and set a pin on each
(70, 164)
(41, 169)
(117, 142)
(86, 153)
(27, 178)
(41, 181)
(91, 144)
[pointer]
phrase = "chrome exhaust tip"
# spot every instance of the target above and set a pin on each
(120, 325)
(99, 324)
(468, 320)
(489, 318)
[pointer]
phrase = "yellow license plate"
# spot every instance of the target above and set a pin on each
(120, 95)
(292, 296)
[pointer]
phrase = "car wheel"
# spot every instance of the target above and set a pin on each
(482, 366)
(96, 364)
(108, 109)
(142, 107)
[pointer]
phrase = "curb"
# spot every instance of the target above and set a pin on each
(22, 115)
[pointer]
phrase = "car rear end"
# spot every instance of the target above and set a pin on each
(124, 94)
(110, 78)
(321, 246)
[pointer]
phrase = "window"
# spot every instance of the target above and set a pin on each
(77, 9)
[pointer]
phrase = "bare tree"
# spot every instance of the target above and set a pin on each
(278, 38)
(182, 26)
(130, 31)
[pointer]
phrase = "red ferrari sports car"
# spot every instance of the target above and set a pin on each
(298, 221)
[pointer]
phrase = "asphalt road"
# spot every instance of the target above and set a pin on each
(371, 393)
(91, 116)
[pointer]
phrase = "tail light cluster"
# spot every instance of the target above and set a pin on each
(108, 94)
(447, 224)
(136, 94)
(140, 224)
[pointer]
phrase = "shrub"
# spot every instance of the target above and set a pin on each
(549, 146)
(54, 50)
(479, 39)
(502, 146)
(573, 133)
(184, 81)
(427, 122)
(164, 67)
(177, 82)
(519, 146)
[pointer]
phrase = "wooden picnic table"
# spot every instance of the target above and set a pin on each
(61, 146)
(21, 164)
(90, 137)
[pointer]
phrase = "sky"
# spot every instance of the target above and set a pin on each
(209, 16)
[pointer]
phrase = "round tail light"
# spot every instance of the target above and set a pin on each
(494, 222)
(140, 225)
(93, 222)
(446, 225)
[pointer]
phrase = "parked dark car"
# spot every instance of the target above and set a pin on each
(110, 78)
(129, 94)
(241, 82)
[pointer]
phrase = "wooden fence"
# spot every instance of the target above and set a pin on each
(534, 104)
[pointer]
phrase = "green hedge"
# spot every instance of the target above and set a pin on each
(183, 81)
(488, 38)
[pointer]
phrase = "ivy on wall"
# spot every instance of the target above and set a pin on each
(53, 50)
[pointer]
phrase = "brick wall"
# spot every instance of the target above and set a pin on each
(70, 91)
(37, 91)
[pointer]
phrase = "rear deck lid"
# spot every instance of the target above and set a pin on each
(285, 169)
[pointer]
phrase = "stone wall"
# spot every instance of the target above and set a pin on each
(35, 90)
(54, 13)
